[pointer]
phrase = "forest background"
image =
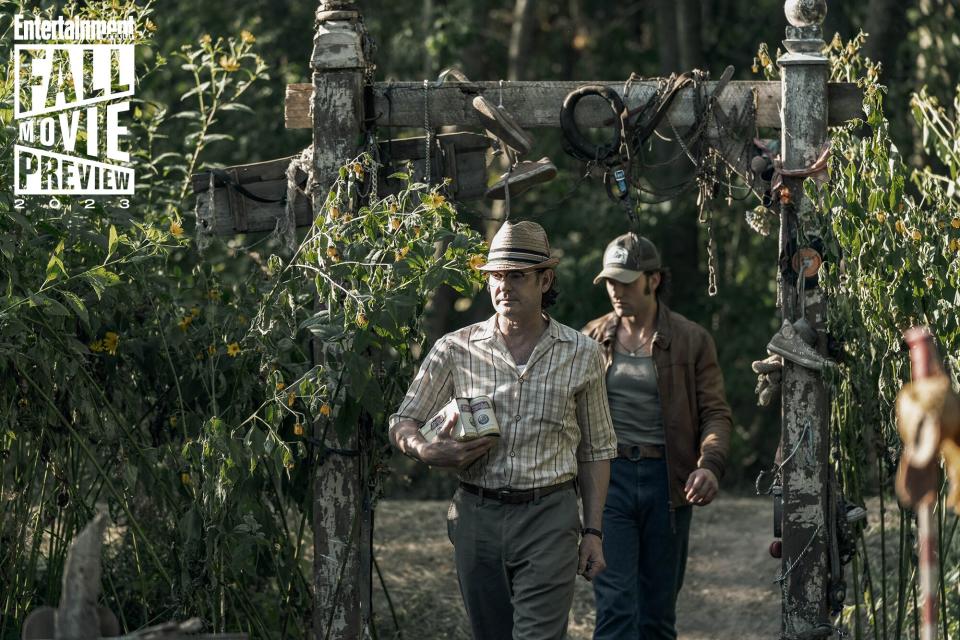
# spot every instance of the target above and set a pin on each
(146, 365)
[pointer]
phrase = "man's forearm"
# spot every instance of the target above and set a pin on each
(594, 478)
(405, 436)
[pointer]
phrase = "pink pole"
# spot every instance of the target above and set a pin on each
(926, 364)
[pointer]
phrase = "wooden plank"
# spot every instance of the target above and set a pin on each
(235, 213)
(296, 106)
(537, 104)
(460, 156)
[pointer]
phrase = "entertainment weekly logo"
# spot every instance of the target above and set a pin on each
(67, 102)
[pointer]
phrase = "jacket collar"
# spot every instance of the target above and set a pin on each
(661, 338)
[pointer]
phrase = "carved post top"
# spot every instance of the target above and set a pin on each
(804, 34)
(805, 13)
(340, 41)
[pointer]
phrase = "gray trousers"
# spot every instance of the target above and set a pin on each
(516, 564)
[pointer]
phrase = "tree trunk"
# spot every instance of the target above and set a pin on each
(520, 39)
(887, 26)
(689, 34)
(666, 11)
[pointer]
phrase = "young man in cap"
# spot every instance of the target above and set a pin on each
(514, 520)
(673, 431)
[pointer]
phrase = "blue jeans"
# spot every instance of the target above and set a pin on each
(646, 554)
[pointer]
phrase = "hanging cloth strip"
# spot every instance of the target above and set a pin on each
(817, 170)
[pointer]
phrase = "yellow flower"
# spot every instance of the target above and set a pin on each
(915, 234)
(298, 429)
(206, 39)
(183, 324)
(173, 421)
(434, 200)
(185, 479)
(96, 346)
(233, 349)
(194, 312)
(150, 25)
(955, 223)
(334, 213)
(247, 37)
(280, 386)
(211, 350)
(361, 320)
(289, 465)
(929, 282)
(402, 254)
(176, 229)
(477, 261)
(110, 341)
(881, 216)
(325, 410)
(955, 245)
(417, 231)
(333, 254)
(900, 227)
(229, 63)
(291, 399)
(358, 169)
(394, 223)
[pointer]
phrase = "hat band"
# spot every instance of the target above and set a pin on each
(519, 255)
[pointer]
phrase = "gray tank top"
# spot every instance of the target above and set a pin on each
(634, 400)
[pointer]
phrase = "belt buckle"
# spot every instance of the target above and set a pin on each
(502, 495)
(633, 453)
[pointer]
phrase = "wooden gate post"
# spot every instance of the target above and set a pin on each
(341, 567)
(805, 419)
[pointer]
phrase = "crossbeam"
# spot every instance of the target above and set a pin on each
(537, 103)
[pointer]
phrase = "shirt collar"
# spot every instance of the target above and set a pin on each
(488, 329)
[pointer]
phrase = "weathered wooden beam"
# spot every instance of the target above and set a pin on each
(342, 562)
(537, 103)
(809, 506)
(461, 157)
(232, 212)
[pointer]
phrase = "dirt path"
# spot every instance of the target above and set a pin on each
(728, 591)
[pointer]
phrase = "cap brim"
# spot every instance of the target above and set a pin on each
(512, 265)
(626, 276)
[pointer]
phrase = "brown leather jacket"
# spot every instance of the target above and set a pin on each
(696, 416)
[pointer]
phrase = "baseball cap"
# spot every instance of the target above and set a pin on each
(627, 257)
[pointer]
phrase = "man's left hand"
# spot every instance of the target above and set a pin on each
(702, 487)
(591, 557)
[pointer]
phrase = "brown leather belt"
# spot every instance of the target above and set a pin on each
(634, 452)
(514, 496)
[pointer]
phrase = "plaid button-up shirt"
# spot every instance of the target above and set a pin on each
(551, 416)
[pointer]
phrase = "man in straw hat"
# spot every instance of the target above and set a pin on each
(673, 430)
(514, 520)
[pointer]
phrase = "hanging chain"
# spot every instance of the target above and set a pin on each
(706, 218)
(429, 133)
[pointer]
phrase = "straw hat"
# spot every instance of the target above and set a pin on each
(520, 247)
